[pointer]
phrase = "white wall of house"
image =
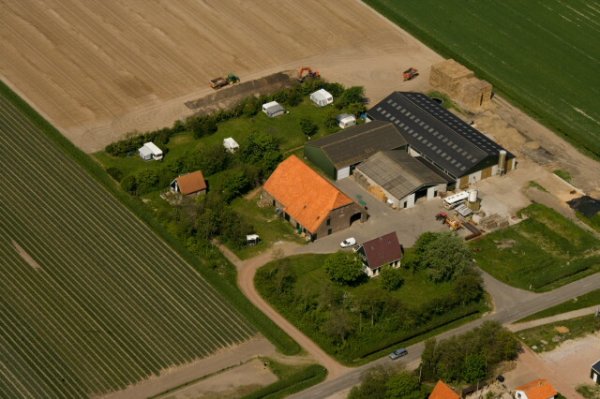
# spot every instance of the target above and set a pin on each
(494, 170)
(595, 377)
(374, 273)
(343, 173)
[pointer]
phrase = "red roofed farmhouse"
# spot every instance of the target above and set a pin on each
(308, 201)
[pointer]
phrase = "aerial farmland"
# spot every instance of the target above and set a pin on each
(92, 299)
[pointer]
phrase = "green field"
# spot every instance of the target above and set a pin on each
(544, 55)
(92, 299)
(543, 252)
(590, 299)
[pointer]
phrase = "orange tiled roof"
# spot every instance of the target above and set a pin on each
(306, 196)
(443, 391)
(538, 389)
(191, 183)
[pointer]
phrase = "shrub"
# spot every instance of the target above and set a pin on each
(115, 173)
(344, 268)
(308, 127)
(391, 279)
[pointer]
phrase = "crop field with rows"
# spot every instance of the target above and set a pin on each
(91, 299)
(544, 55)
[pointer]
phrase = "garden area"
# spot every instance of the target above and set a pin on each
(197, 144)
(354, 318)
(548, 336)
(543, 252)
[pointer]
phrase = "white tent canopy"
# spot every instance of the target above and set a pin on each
(273, 109)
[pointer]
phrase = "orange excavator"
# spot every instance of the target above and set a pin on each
(307, 72)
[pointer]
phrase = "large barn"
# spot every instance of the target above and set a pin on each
(338, 154)
(442, 139)
(314, 206)
(399, 179)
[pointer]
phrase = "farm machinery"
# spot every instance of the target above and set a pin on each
(410, 74)
(307, 72)
(452, 222)
(221, 81)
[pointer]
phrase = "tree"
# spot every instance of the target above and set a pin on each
(339, 326)
(234, 183)
(331, 122)
(444, 255)
(373, 385)
(202, 126)
(391, 279)
(308, 127)
(475, 368)
(294, 97)
(352, 95)
(403, 385)
(147, 181)
(344, 268)
(129, 184)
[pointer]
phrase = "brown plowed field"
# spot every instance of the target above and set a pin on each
(97, 69)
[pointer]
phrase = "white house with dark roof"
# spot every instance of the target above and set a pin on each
(380, 252)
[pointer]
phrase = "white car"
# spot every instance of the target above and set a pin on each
(348, 242)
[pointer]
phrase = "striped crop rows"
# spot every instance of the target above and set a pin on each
(91, 299)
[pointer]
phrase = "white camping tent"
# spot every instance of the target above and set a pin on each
(273, 109)
(230, 145)
(321, 97)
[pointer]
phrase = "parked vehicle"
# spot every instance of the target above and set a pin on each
(398, 353)
(348, 242)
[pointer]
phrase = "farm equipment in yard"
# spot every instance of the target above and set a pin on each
(221, 81)
(410, 74)
(307, 72)
(452, 222)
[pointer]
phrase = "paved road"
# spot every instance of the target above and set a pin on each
(532, 304)
(551, 319)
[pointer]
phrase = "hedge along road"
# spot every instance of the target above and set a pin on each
(92, 299)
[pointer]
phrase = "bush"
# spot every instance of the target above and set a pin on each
(308, 127)
(391, 279)
(115, 173)
(345, 268)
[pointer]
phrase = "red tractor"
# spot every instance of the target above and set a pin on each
(410, 74)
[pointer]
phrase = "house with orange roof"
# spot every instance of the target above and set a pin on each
(189, 184)
(443, 391)
(537, 389)
(312, 204)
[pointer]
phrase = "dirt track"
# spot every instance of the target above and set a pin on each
(98, 69)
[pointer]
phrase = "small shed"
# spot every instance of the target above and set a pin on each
(321, 98)
(230, 145)
(273, 109)
(252, 239)
(595, 372)
(346, 120)
(150, 151)
(190, 184)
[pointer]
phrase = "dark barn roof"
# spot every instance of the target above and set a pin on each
(382, 250)
(596, 367)
(438, 135)
(399, 173)
(357, 143)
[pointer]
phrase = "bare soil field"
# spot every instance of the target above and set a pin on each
(98, 69)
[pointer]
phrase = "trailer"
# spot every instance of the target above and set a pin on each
(454, 200)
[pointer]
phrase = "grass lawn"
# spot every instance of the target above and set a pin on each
(368, 342)
(549, 336)
(285, 128)
(580, 302)
(267, 225)
(541, 253)
(593, 222)
(540, 54)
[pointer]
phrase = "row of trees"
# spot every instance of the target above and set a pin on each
(469, 357)
(385, 383)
